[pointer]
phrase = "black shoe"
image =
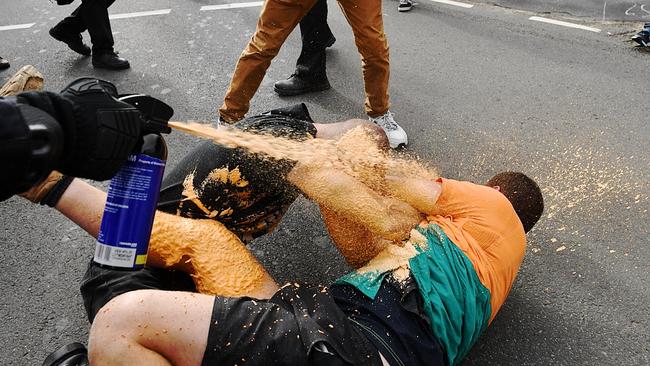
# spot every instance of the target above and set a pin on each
(73, 354)
(74, 41)
(4, 64)
(110, 61)
(298, 84)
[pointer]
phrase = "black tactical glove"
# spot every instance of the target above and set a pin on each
(99, 130)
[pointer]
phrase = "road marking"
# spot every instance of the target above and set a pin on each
(232, 6)
(564, 24)
(454, 3)
(140, 14)
(16, 26)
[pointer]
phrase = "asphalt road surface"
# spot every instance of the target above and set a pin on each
(479, 90)
(602, 10)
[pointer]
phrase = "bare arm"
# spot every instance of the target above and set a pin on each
(422, 194)
(218, 261)
(389, 218)
(355, 242)
(83, 204)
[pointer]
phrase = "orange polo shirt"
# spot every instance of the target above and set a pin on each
(483, 224)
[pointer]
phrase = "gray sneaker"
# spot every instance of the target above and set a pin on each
(396, 134)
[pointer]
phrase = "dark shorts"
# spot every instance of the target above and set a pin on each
(394, 322)
(295, 327)
(299, 325)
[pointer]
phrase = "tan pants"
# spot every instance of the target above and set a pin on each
(277, 21)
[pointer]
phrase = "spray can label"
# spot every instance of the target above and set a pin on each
(128, 216)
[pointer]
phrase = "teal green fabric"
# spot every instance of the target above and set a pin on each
(368, 283)
(455, 301)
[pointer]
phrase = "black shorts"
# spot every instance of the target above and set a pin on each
(299, 325)
(394, 321)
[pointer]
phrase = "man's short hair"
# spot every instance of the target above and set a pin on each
(524, 195)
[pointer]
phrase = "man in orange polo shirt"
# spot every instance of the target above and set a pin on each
(461, 260)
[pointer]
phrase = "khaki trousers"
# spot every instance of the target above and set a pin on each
(277, 21)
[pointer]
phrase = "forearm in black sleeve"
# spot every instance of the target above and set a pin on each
(31, 143)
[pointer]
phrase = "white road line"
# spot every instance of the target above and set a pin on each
(232, 6)
(564, 24)
(140, 14)
(454, 3)
(16, 26)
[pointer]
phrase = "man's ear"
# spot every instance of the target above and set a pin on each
(498, 188)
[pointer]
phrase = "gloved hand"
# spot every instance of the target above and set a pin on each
(99, 130)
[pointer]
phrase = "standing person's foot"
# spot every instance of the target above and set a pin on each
(298, 84)
(74, 41)
(4, 64)
(405, 5)
(110, 61)
(396, 134)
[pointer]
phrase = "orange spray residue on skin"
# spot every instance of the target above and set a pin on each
(218, 261)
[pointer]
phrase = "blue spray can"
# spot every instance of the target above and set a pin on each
(133, 192)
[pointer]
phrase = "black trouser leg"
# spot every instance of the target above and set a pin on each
(94, 15)
(72, 24)
(316, 35)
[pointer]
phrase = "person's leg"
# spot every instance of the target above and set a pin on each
(73, 23)
(95, 16)
(150, 327)
(336, 130)
(69, 32)
(294, 327)
(315, 33)
(276, 22)
(366, 20)
(310, 74)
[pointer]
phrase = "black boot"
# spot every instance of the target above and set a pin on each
(4, 64)
(298, 84)
(110, 60)
(310, 75)
(73, 354)
(74, 41)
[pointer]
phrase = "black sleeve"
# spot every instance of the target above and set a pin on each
(31, 142)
